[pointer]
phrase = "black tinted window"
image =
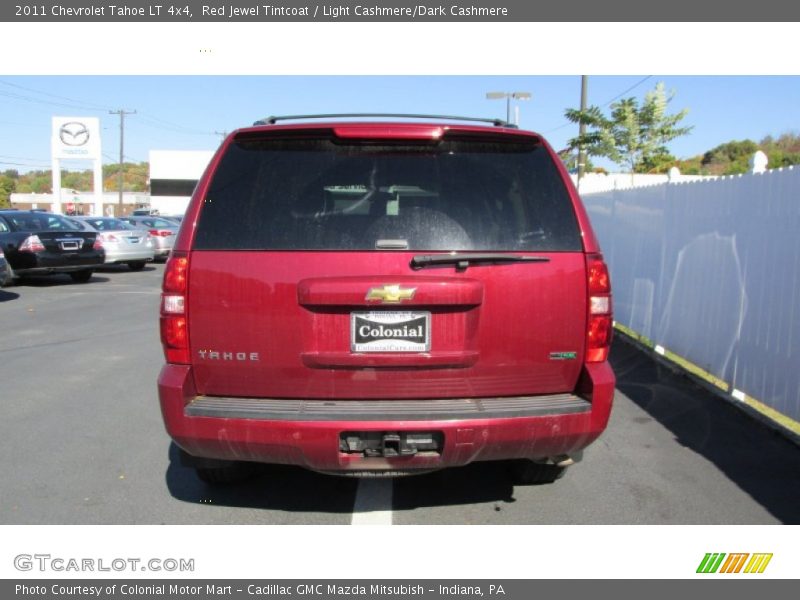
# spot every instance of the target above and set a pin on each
(323, 195)
(108, 224)
(42, 222)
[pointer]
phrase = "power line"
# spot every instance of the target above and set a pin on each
(115, 159)
(170, 126)
(22, 87)
(559, 127)
(633, 87)
(22, 158)
(15, 96)
(27, 165)
(84, 105)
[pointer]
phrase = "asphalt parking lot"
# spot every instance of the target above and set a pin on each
(83, 443)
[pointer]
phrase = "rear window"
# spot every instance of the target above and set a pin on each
(109, 224)
(42, 222)
(152, 222)
(326, 195)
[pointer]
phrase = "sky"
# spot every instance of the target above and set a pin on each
(183, 112)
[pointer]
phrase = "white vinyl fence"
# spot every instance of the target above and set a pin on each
(710, 271)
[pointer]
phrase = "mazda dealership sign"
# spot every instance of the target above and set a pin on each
(76, 137)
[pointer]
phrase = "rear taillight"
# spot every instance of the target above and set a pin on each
(600, 327)
(32, 243)
(98, 243)
(174, 327)
(108, 237)
(161, 232)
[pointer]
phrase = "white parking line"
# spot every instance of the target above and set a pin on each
(373, 504)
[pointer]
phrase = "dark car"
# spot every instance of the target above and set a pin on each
(5, 277)
(40, 243)
(385, 297)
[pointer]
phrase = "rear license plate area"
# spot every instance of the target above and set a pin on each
(71, 245)
(390, 331)
(389, 444)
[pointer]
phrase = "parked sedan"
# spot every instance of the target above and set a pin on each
(37, 243)
(122, 242)
(162, 231)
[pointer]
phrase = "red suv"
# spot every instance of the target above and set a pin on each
(383, 298)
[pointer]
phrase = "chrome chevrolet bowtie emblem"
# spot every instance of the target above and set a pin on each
(390, 294)
(73, 134)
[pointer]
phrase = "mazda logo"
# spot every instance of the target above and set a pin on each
(73, 134)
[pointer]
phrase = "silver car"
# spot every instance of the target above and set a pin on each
(123, 243)
(161, 230)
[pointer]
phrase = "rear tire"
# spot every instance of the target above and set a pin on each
(226, 475)
(528, 472)
(10, 277)
(81, 276)
(136, 265)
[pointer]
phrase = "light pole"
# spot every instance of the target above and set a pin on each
(508, 96)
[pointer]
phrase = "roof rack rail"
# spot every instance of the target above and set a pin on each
(274, 119)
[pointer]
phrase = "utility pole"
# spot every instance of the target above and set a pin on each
(582, 130)
(121, 112)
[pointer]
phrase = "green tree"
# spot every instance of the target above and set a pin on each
(656, 163)
(783, 152)
(634, 135)
(77, 180)
(38, 182)
(730, 158)
(8, 186)
(134, 177)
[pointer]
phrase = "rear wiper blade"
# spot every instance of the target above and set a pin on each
(462, 261)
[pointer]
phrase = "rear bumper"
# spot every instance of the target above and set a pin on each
(116, 255)
(306, 433)
(31, 263)
(163, 246)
